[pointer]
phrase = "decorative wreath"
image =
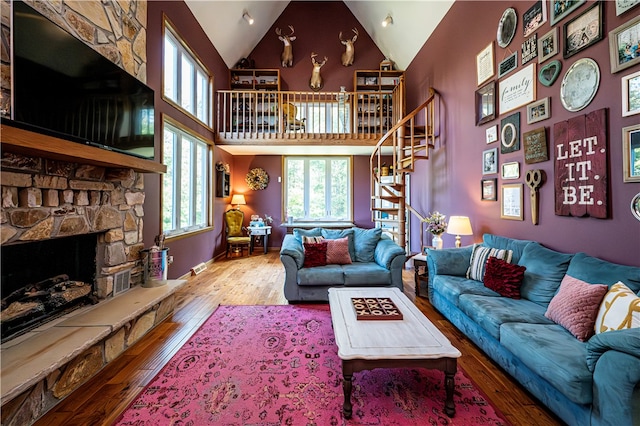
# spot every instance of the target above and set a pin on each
(257, 179)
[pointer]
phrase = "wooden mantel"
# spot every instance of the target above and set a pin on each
(30, 143)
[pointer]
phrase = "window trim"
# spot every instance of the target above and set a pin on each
(351, 194)
(168, 26)
(176, 235)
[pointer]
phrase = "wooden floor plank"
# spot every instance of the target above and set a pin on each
(258, 280)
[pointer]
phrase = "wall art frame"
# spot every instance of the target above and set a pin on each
(491, 134)
(510, 133)
(485, 64)
(584, 30)
(510, 170)
(490, 161)
(486, 103)
(535, 16)
(539, 110)
(489, 189)
(518, 89)
(631, 94)
(623, 44)
(624, 5)
(530, 49)
(630, 137)
(536, 149)
(561, 9)
(507, 27)
(511, 201)
(508, 64)
(548, 45)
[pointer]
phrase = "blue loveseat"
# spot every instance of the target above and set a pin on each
(596, 382)
(376, 261)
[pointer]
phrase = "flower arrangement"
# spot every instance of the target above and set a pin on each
(257, 179)
(436, 223)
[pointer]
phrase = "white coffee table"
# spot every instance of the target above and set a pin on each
(367, 344)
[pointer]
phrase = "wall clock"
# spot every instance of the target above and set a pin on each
(507, 27)
(580, 84)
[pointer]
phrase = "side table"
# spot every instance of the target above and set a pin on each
(259, 232)
(420, 271)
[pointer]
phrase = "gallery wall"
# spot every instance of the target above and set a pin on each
(451, 178)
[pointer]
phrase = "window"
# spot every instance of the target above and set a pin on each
(318, 188)
(325, 117)
(187, 83)
(186, 185)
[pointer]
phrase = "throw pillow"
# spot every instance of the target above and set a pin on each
(365, 241)
(338, 251)
(315, 254)
(619, 309)
(299, 233)
(503, 277)
(576, 305)
(306, 239)
(479, 258)
(334, 234)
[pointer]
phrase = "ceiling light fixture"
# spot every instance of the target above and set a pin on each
(387, 21)
(247, 18)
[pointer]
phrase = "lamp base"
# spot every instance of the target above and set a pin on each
(458, 242)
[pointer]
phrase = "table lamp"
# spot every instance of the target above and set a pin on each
(238, 200)
(459, 225)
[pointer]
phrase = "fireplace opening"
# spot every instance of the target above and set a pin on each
(43, 280)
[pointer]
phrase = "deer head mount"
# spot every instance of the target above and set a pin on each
(287, 52)
(349, 53)
(316, 83)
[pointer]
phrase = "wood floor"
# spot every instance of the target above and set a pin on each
(257, 280)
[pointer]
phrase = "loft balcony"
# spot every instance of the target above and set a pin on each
(323, 119)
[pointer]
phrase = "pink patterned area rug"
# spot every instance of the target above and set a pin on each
(279, 365)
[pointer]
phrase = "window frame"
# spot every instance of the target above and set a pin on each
(183, 47)
(307, 158)
(181, 232)
(330, 108)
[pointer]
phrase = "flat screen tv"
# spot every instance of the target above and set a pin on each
(62, 87)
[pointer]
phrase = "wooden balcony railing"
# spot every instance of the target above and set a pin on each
(264, 117)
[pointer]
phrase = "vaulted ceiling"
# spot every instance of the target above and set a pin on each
(234, 38)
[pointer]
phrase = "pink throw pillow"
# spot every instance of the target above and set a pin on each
(576, 305)
(338, 251)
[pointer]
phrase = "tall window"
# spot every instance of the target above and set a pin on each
(186, 185)
(187, 83)
(318, 188)
(326, 117)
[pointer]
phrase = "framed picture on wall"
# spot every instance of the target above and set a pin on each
(489, 189)
(486, 103)
(538, 110)
(511, 170)
(512, 200)
(623, 5)
(630, 139)
(583, 30)
(534, 17)
(624, 45)
(548, 45)
(560, 9)
(631, 94)
(484, 64)
(491, 134)
(490, 161)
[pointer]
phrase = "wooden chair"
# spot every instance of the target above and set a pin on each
(291, 123)
(235, 233)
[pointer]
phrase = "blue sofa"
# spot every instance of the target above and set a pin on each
(596, 382)
(376, 261)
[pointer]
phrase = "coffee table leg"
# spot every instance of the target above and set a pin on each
(449, 384)
(347, 381)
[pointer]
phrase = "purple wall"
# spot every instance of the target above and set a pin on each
(451, 178)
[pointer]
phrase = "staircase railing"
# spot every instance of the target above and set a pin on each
(411, 139)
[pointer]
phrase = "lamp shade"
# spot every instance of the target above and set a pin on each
(238, 200)
(459, 225)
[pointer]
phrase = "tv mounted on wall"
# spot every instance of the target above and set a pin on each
(62, 87)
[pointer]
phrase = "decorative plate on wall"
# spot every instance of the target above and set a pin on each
(580, 84)
(507, 27)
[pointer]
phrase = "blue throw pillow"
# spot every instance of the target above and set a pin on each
(366, 241)
(334, 234)
(545, 270)
(506, 243)
(299, 233)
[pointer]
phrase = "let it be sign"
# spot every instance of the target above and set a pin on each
(580, 152)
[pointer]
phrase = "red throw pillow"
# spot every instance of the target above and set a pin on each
(315, 254)
(338, 251)
(503, 277)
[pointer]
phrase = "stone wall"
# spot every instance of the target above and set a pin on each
(43, 199)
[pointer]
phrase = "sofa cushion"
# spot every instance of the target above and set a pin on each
(451, 287)
(366, 273)
(598, 271)
(387, 251)
(334, 234)
(299, 232)
(453, 261)
(554, 354)
(322, 275)
(506, 243)
(365, 241)
(491, 312)
(619, 309)
(575, 306)
(315, 254)
(479, 256)
(338, 251)
(545, 270)
(503, 277)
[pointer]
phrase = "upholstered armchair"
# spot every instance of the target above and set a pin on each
(292, 124)
(235, 232)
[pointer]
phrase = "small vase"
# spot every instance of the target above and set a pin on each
(436, 242)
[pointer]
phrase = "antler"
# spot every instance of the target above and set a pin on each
(292, 30)
(355, 37)
(278, 31)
